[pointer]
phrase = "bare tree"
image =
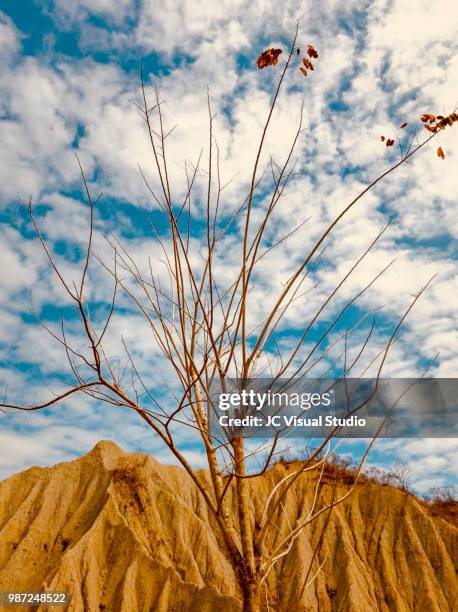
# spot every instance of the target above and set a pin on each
(442, 494)
(201, 323)
(402, 474)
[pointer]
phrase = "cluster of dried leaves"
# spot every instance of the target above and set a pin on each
(390, 141)
(306, 61)
(269, 57)
(432, 123)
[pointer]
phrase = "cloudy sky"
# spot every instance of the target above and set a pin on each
(69, 82)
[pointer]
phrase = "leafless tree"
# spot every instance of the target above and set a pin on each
(442, 494)
(203, 330)
(403, 475)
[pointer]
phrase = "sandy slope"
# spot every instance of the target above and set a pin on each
(120, 531)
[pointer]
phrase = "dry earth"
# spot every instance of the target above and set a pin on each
(120, 531)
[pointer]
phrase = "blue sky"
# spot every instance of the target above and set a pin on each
(69, 76)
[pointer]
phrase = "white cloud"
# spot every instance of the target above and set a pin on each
(392, 71)
(432, 461)
(10, 39)
(78, 10)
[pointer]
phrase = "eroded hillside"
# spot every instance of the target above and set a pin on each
(119, 531)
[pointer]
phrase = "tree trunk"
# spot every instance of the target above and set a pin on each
(243, 509)
(251, 587)
(252, 596)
